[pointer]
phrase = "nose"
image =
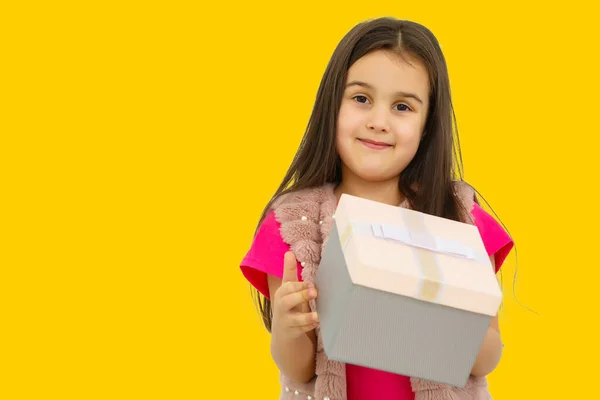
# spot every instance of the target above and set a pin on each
(378, 121)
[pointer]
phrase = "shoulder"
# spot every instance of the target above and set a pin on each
(496, 239)
(308, 203)
(269, 228)
(316, 194)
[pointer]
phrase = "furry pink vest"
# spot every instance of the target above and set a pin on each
(306, 220)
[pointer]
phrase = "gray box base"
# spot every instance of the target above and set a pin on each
(398, 334)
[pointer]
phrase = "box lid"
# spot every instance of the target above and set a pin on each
(415, 254)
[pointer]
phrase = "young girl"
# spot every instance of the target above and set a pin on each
(381, 129)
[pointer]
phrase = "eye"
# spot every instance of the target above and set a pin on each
(403, 107)
(360, 99)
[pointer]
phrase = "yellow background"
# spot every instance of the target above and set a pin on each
(140, 141)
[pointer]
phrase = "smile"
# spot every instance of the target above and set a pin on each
(372, 144)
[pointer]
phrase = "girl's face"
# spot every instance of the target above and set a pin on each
(382, 116)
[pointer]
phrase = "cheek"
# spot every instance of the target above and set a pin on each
(409, 132)
(349, 121)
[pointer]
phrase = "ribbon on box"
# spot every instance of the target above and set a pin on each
(425, 247)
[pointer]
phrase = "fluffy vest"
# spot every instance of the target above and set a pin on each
(306, 218)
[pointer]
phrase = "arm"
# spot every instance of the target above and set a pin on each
(296, 357)
(491, 349)
(293, 341)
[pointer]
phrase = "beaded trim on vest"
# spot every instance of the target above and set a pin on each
(306, 218)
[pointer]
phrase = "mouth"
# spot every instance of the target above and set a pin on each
(372, 144)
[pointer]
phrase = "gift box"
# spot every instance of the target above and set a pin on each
(404, 292)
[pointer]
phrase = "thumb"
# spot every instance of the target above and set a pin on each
(290, 268)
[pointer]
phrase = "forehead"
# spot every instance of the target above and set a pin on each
(389, 72)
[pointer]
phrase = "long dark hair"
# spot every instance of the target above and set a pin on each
(437, 162)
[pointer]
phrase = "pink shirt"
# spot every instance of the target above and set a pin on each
(266, 257)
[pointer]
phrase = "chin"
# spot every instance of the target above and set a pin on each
(375, 175)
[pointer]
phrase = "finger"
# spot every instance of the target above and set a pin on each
(290, 268)
(290, 287)
(306, 328)
(305, 307)
(295, 299)
(304, 319)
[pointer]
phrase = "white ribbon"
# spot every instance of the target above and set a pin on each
(416, 239)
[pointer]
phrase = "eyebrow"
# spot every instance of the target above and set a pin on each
(399, 93)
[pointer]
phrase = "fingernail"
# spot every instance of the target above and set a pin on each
(312, 293)
(315, 317)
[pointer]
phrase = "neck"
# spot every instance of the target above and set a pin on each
(386, 192)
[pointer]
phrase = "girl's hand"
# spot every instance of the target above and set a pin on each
(291, 312)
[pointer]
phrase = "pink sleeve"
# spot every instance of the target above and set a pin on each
(496, 240)
(265, 256)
